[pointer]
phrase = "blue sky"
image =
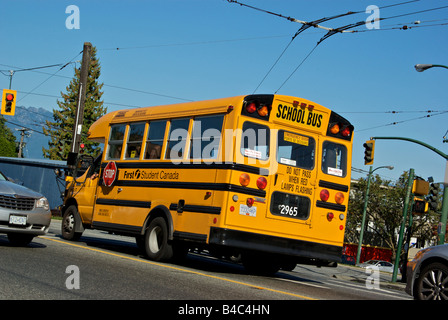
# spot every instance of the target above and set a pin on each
(176, 50)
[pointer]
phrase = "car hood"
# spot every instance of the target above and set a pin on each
(9, 188)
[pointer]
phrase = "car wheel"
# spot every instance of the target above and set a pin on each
(156, 241)
(68, 226)
(20, 240)
(432, 284)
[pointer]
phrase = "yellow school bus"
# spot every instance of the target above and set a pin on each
(261, 177)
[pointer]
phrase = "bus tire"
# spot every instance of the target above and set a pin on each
(156, 241)
(68, 225)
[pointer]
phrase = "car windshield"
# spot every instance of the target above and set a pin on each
(2, 177)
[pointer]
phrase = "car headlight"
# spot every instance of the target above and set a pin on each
(42, 203)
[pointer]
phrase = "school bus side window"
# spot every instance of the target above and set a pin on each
(255, 141)
(295, 150)
(334, 159)
(115, 143)
(134, 142)
(205, 137)
(154, 140)
(177, 139)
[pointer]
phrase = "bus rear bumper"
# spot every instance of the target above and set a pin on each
(248, 241)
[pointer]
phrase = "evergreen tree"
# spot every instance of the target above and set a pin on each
(61, 129)
(7, 140)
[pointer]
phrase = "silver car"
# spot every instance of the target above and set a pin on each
(381, 265)
(427, 274)
(24, 213)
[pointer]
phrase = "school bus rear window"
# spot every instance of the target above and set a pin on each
(295, 150)
(255, 141)
(334, 159)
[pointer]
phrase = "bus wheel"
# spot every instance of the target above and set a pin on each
(69, 224)
(156, 241)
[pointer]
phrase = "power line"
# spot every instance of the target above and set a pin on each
(50, 76)
(403, 121)
(330, 31)
(313, 23)
(104, 84)
(394, 111)
(300, 64)
(190, 43)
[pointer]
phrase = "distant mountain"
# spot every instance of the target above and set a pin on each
(33, 119)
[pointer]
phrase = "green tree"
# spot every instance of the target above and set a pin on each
(61, 129)
(384, 213)
(7, 140)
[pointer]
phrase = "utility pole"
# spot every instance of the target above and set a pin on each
(23, 134)
(79, 116)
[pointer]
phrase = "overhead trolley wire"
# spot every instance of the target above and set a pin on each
(330, 31)
(407, 120)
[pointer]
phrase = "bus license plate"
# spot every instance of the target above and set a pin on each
(17, 220)
(248, 211)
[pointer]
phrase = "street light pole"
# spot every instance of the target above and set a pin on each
(364, 211)
(444, 214)
(422, 67)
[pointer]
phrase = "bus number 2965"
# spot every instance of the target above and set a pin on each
(288, 210)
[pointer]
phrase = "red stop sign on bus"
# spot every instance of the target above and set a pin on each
(109, 174)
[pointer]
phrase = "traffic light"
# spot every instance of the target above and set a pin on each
(420, 187)
(433, 196)
(420, 206)
(368, 153)
(8, 102)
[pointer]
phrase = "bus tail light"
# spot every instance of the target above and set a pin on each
(330, 216)
(263, 111)
(251, 107)
(244, 179)
(324, 195)
(338, 128)
(339, 197)
(262, 183)
(334, 129)
(346, 132)
(250, 202)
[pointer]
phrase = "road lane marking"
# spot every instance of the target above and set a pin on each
(303, 283)
(177, 268)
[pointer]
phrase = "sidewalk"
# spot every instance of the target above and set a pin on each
(358, 274)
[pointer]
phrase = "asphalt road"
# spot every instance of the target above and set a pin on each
(108, 267)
